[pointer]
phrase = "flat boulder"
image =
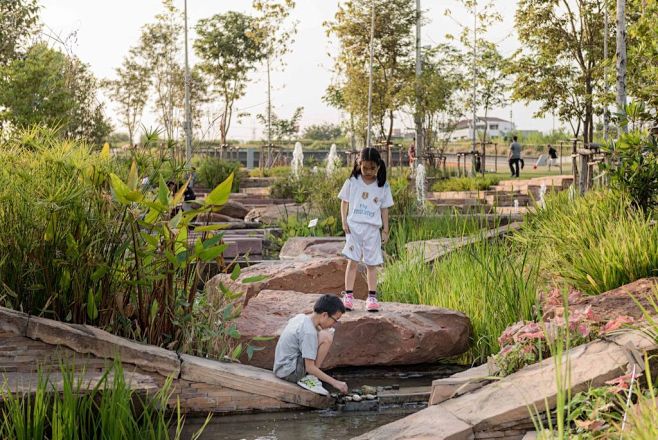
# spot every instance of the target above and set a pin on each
(608, 305)
(506, 408)
(234, 209)
(400, 334)
(305, 248)
(271, 214)
(216, 217)
(319, 275)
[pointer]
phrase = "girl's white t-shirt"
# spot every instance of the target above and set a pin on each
(366, 200)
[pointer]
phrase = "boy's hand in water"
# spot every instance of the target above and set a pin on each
(341, 386)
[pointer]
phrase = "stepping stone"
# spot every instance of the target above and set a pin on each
(305, 248)
(400, 334)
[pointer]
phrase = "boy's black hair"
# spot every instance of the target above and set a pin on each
(515, 138)
(372, 155)
(330, 304)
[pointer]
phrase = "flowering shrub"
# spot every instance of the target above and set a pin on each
(527, 342)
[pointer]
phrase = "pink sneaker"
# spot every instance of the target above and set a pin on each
(348, 301)
(372, 305)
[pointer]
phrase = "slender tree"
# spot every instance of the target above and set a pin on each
(393, 67)
(275, 32)
(561, 62)
(129, 90)
(19, 21)
(229, 52)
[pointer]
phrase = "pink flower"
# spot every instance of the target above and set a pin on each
(617, 323)
(583, 329)
(622, 382)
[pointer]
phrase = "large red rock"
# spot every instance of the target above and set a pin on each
(608, 305)
(320, 275)
(400, 334)
(304, 248)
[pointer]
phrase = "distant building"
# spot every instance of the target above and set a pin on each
(495, 127)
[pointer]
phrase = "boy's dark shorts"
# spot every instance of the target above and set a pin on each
(300, 371)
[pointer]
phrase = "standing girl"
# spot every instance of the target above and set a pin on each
(366, 198)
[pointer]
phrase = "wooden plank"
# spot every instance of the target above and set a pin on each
(249, 379)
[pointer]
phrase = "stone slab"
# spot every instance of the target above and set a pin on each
(432, 423)
(400, 334)
(88, 339)
(432, 250)
(503, 406)
(249, 379)
(305, 248)
(459, 383)
(13, 321)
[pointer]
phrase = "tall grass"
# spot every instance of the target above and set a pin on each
(406, 229)
(491, 282)
(593, 243)
(110, 410)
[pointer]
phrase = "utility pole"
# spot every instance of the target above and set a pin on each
(621, 66)
(420, 141)
(606, 27)
(372, 55)
(188, 109)
(475, 32)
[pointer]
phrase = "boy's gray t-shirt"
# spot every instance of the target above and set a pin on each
(299, 338)
(516, 150)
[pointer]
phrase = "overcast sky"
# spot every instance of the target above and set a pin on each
(104, 32)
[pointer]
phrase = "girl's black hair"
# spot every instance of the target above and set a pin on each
(372, 155)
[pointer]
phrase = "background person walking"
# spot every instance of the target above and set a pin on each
(514, 156)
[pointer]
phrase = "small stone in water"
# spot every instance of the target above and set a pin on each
(388, 387)
(356, 398)
(369, 397)
(367, 389)
(348, 398)
(334, 395)
(396, 386)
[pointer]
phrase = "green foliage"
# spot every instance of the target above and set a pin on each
(322, 132)
(159, 48)
(110, 410)
(560, 63)
(19, 20)
(290, 188)
(85, 245)
(593, 243)
(270, 172)
(229, 51)
(484, 280)
(47, 87)
(466, 183)
(130, 91)
(634, 168)
(409, 228)
(298, 226)
(212, 171)
(282, 129)
(392, 67)
(642, 50)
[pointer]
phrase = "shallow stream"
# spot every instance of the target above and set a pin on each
(325, 424)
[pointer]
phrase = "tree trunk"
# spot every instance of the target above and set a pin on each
(621, 64)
